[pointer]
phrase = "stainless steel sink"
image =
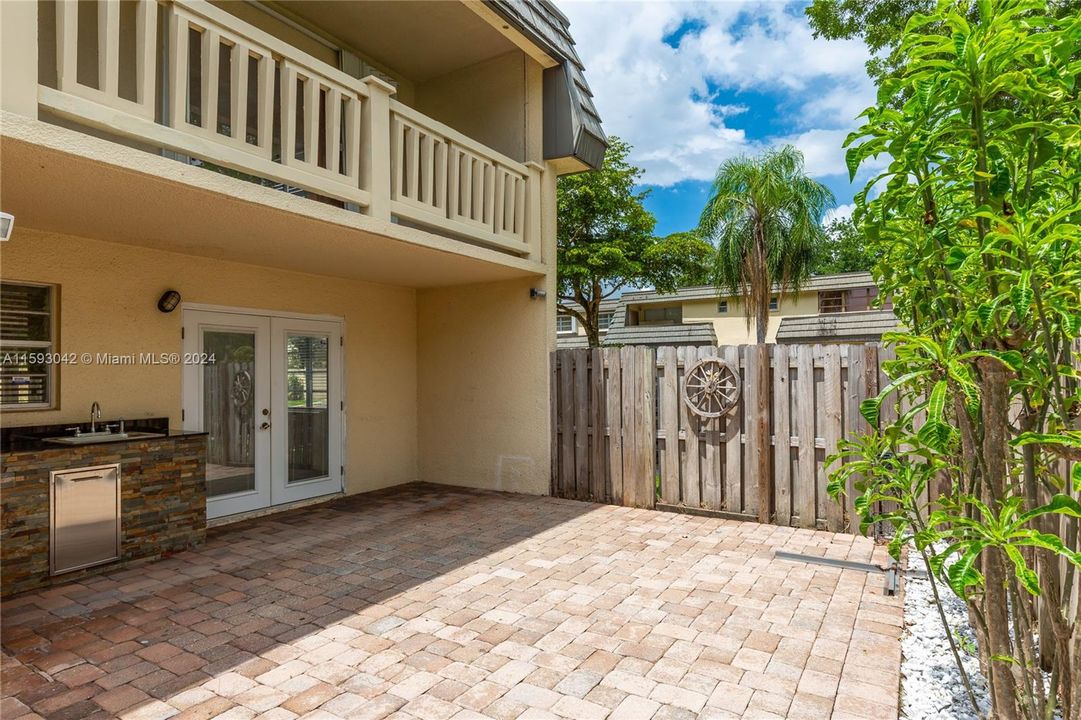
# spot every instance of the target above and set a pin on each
(102, 437)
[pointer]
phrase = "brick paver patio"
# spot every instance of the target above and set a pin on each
(436, 602)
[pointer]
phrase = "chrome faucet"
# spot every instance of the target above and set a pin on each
(95, 415)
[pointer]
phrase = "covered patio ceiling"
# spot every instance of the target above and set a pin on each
(63, 181)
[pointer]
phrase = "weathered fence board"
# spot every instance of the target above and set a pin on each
(622, 432)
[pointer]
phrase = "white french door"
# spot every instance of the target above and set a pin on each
(267, 390)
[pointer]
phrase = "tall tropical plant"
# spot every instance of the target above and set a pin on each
(978, 230)
(764, 214)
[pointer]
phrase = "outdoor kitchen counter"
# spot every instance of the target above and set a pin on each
(162, 498)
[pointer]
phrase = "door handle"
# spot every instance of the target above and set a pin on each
(265, 426)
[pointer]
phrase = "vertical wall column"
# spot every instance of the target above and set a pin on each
(375, 160)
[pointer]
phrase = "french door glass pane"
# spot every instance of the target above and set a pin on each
(229, 411)
(306, 388)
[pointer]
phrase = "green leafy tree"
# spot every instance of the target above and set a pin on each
(605, 241)
(979, 235)
(764, 215)
(843, 248)
(881, 25)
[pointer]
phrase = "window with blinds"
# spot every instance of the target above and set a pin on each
(27, 342)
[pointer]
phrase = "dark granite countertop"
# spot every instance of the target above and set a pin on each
(31, 438)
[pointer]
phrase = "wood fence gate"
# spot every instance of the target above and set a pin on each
(622, 433)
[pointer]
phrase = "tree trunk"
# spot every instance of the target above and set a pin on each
(761, 322)
(994, 412)
(593, 336)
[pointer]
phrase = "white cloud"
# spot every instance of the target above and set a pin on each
(841, 212)
(658, 97)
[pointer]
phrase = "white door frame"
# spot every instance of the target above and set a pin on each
(195, 322)
(271, 443)
(283, 491)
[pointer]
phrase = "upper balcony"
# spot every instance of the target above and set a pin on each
(255, 93)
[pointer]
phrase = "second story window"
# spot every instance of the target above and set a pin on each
(566, 324)
(663, 315)
(722, 306)
(832, 301)
(604, 320)
(27, 340)
(773, 304)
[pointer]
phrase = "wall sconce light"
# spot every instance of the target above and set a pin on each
(169, 300)
(7, 224)
(535, 293)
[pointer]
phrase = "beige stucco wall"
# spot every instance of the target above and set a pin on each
(731, 328)
(483, 387)
(109, 294)
(486, 101)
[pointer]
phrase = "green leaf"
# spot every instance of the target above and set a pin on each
(869, 409)
(1023, 572)
(936, 403)
(1032, 438)
(962, 574)
(1060, 504)
(935, 435)
(1021, 295)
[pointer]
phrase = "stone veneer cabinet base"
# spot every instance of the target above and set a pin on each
(162, 501)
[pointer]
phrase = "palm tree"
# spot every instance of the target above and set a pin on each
(764, 215)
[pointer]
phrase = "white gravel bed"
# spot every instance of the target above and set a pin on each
(931, 684)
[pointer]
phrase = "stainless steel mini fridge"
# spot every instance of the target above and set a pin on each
(84, 518)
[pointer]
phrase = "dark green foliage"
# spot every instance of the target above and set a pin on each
(605, 241)
(843, 248)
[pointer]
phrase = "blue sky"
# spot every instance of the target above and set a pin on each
(690, 84)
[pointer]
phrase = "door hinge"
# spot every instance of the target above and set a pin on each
(342, 405)
(341, 342)
(181, 332)
(341, 469)
(182, 415)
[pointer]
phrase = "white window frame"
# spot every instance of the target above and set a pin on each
(574, 325)
(51, 346)
(774, 303)
(722, 306)
(601, 326)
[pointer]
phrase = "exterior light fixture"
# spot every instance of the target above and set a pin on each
(535, 293)
(7, 224)
(169, 300)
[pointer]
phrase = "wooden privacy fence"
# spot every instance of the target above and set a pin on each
(623, 434)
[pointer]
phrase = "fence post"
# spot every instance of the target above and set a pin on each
(646, 434)
(758, 428)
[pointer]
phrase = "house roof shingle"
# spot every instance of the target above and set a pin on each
(839, 281)
(685, 334)
(848, 327)
(543, 23)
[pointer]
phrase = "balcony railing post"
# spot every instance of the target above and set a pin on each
(532, 230)
(375, 146)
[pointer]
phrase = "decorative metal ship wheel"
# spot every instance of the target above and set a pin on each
(711, 388)
(241, 390)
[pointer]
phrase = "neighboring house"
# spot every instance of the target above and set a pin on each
(828, 308)
(353, 201)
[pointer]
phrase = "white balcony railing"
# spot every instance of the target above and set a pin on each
(242, 99)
